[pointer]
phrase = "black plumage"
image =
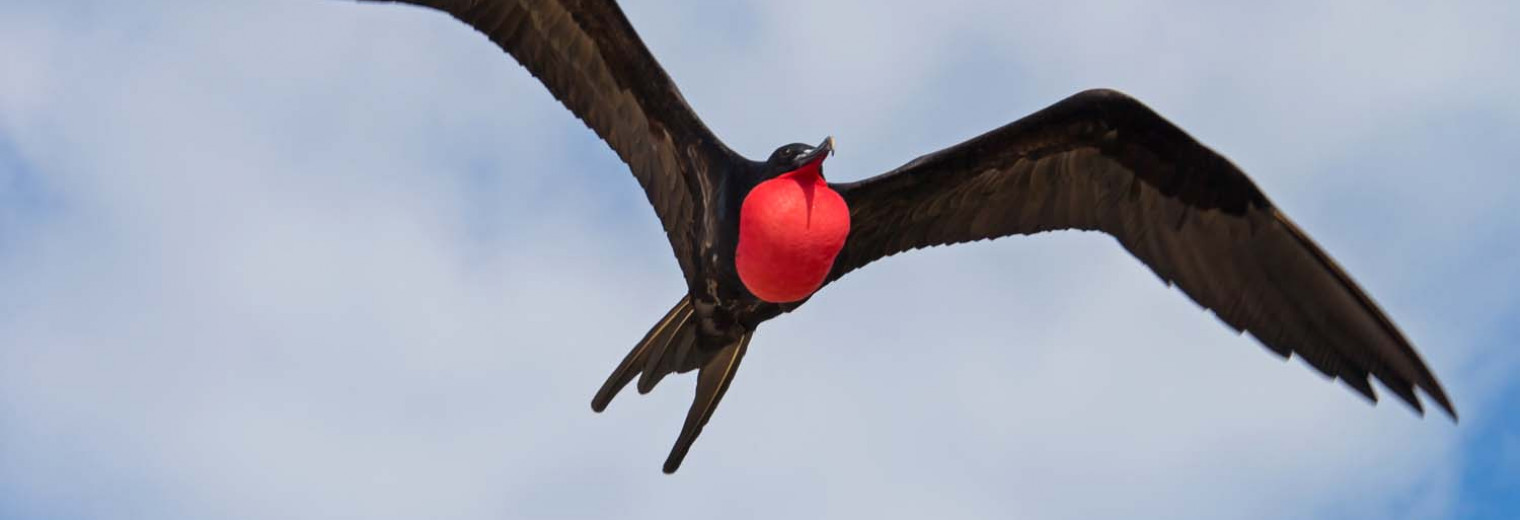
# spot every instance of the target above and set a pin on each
(1098, 160)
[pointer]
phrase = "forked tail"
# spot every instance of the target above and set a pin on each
(671, 346)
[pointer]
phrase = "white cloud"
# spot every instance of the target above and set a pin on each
(335, 260)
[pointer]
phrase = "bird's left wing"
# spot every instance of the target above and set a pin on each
(588, 56)
(1102, 161)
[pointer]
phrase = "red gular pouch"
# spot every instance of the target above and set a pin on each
(790, 229)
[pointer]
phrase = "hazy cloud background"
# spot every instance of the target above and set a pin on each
(315, 259)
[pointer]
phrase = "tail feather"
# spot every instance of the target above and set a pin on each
(634, 363)
(671, 347)
(687, 358)
(662, 361)
(712, 383)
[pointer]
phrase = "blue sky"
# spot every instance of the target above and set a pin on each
(295, 259)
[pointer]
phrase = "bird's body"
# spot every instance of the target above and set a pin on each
(723, 308)
(755, 239)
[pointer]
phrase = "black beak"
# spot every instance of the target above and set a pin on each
(824, 149)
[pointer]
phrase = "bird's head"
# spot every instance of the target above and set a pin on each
(791, 226)
(798, 158)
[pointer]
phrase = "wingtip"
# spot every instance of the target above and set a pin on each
(1437, 395)
(1433, 391)
(1446, 406)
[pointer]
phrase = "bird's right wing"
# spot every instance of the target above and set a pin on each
(1102, 161)
(591, 59)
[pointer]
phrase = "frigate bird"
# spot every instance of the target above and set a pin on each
(755, 239)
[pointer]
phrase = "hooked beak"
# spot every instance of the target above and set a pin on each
(824, 149)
